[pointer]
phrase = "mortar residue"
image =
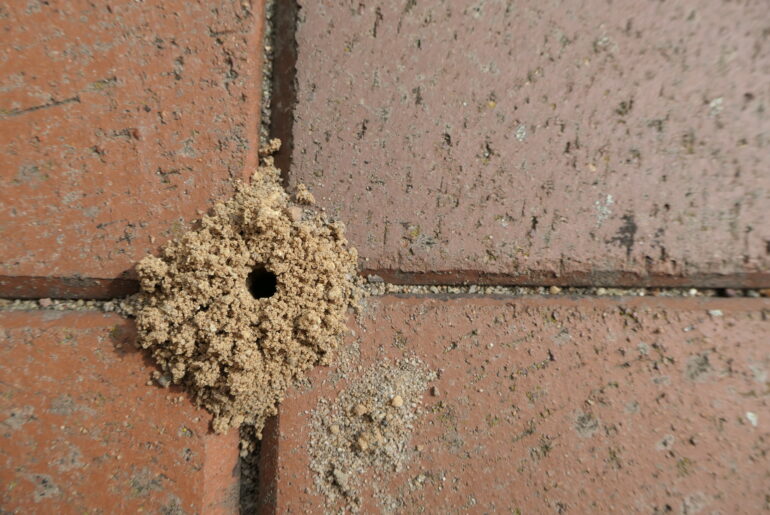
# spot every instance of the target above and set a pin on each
(364, 433)
(237, 309)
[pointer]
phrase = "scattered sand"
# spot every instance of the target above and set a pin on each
(304, 196)
(202, 323)
(364, 433)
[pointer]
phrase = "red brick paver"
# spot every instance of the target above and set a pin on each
(118, 122)
(541, 142)
(81, 432)
(583, 406)
(532, 142)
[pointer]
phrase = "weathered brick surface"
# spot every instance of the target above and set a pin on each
(557, 405)
(539, 142)
(81, 432)
(117, 124)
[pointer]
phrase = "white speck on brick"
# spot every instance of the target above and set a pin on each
(521, 132)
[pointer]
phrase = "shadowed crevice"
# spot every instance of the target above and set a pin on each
(71, 287)
(607, 279)
(76, 287)
(284, 84)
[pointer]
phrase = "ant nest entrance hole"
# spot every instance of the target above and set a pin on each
(261, 282)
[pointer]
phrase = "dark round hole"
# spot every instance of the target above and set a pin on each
(261, 283)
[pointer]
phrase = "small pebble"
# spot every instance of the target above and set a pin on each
(359, 410)
(295, 213)
(334, 429)
(554, 290)
(397, 401)
(163, 381)
(44, 303)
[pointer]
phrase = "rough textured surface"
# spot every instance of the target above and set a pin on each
(554, 405)
(80, 430)
(237, 309)
(366, 429)
(532, 142)
(118, 122)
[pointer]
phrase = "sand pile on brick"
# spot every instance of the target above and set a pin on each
(360, 438)
(239, 308)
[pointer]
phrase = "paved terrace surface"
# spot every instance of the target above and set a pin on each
(600, 144)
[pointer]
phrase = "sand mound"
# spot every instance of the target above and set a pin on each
(237, 309)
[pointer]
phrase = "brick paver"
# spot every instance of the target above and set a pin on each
(592, 143)
(528, 142)
(117, 124)
(558, 405)
(81, 432)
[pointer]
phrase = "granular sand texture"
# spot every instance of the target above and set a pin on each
(239, 308)
(364, 434)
